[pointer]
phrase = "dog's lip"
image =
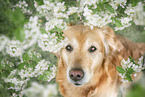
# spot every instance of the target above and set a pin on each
(77, 84)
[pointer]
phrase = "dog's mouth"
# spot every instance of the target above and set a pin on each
(77, 84)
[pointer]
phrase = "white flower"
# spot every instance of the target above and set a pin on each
(115, 3)
(52, 75)
(48, 42)
(128, 64)
(41, 90)
(139, 17)
(87, 11)
(52, 10)
(42, 65)
(49, 5)
(119, 28)
(122, 75)
(14, 48)
(32, 32)
(23, 5)
(126, 21)
(135, 74)
(124, 81)
(130, 10)
(3, 41)
(72, 10)
(98, 19)
(55, 23)
(90, 2)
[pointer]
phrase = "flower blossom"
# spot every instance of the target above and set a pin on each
(23, 5)
(14, 48)
(59, 23)
(32, 32)
(48, 42)
(139, 17)
(129, 65)
(72, 10)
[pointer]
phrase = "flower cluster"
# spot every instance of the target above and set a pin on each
(43, 91)
(54, 12)
(14, 48)
(59, 23)
(32, 32)
(5, 62)
(130, 68)
(32, 52)
(23, 5)
(40, 68)
(26, 74)
(17, 83)
(49, 42)
(51, 9)
(98, 19)
(139, 17)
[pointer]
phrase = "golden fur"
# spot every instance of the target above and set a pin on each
(101, 77)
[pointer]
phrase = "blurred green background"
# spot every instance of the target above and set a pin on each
(11, 24)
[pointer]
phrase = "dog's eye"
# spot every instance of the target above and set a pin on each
(92, 49)
(69, 48)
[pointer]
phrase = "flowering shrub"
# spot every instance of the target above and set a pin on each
(130, 68)
(37, 30)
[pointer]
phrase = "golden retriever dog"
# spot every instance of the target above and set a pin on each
(87, 64)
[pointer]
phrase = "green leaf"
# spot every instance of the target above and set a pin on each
(128, 77)
(19, 34)
(118, 23)
(120, 69)
(134, 3)
(21, 66)
(41, 77)
(25, 56)
(48, 73)
(109, 8)
(130, 71)
(39, 2)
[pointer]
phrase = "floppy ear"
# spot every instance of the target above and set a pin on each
(110, 40)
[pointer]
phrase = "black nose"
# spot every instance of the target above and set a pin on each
(76, 74)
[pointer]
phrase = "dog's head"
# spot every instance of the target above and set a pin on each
(86, 50)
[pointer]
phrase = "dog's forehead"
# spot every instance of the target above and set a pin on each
(82, 34)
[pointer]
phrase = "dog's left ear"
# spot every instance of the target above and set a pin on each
(110, 40)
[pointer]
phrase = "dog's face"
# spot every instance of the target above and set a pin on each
(84, 53)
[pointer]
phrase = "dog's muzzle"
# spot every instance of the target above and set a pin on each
(76, 75)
